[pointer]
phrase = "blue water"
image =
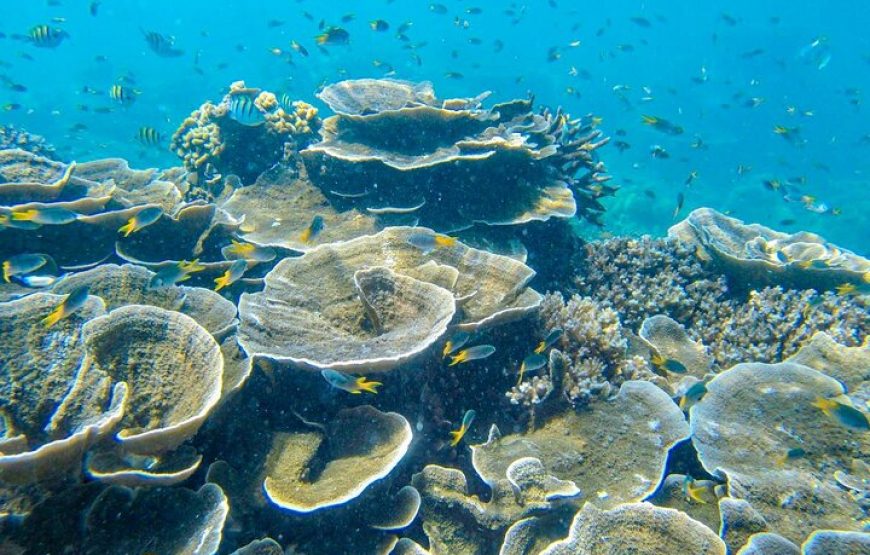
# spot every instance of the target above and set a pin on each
(224, 42)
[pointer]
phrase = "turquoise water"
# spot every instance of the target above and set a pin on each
(748, 51)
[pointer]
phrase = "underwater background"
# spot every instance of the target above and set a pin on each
(434, 278)
(728, 73)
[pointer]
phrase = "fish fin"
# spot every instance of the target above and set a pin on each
(24, 215)
(445, 241)
(541, 347)
(54, 316)
(6, 272)
(221, 282)
(695, 494)
(447, 348)
(305, 236)
(825, 405)
(363, 385)
(127, 228)
(458, 358)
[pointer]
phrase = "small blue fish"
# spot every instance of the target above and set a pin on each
(141, 220)
(456, 342)
(233, 274)
(427, 242)
(74, 301)
(176, 273)
(49, 215)
(554, 335)
(693, 395)
(313, 229)
(22, 264)
(457, 435)
(531, 363)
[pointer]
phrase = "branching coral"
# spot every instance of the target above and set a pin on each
(593, 359)
(245, 134)
(12, 137)
(639, 278)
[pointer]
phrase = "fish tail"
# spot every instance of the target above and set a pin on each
(53, 317)
(127, 228)
(447, 348)
(824, 405)
(520, 377)
(24, 215)
(221, 282)
(306, 235)
(371, 387)
(456, 436)
(683, 402)
(445, 241)
(459, 358)
(540, 348)
(6, 274)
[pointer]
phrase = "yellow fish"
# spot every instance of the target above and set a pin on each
(141, 219)
(845, 289)
(233, 274)
(70, 304)
(457, 435)
(472, 353)
(350, 383)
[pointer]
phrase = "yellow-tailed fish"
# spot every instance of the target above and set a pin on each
(49, 215)
(70, 304)
(790, 455)
(427, 242)
(456, 342)
(175, 273)
(846, 415)
(845, 289)
(679, 206)
(248, 251)
(233, 274)
(692, 395)
(554, 335)
(668, 364)
(22, 264)
(350, 383)
(531, 363)
(457, 435)
(662, 125)
(699, 491)
(477, 352)
(313, 229)
(141, 219)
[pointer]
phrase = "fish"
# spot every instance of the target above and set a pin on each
(478, 352)
(161, 45)
(333, 35)
(457, 435)
(94, 8)
(668, 364)
(175, 273)
(531, 363)
(73, 301)
(248, 251)
(233, 274)
(313, 229)
(122, 95)
(50, 215)
(427, 242)
(554, 335)
(792, 454)
(699, 491)
(846, 289)
(22, 264)
(692, 395)
(640, 21)
(379, 25)
(456, 342)
(244, 110)
(43, 36)
(662, 125)
(693, 175)
(299, 48)
(350, 383)
(679, 206)
(149, 136)
(440, 9)
(846, 415)
(453, 75)
(141, 220)
(658, 151)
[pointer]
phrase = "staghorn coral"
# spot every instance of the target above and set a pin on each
(12, 137)
(593, 357)
(215, 140)
(644, 277)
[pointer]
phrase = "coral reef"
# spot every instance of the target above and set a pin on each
(640, 278)
(747, 423)
(324, 310)
(638, 528)
(244, 134)
(12, 137)
(395, 150)
(763, 256)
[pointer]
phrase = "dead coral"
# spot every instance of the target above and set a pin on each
(12, 137)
